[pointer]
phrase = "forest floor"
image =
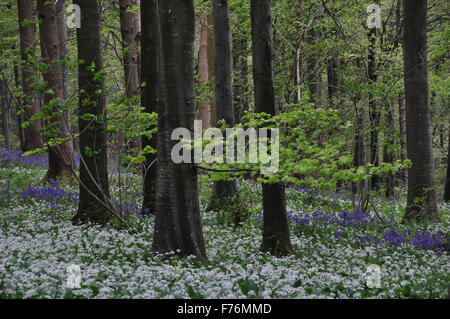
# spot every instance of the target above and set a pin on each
(334, 246)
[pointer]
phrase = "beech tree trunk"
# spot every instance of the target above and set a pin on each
(19, 108)
(447, 178)
(177, 225)
(402, 125)
(6, 115)
(149, 95)
(421, 202)
(203, 108)
(60, 155)
(374, 113)
(94, 188)
(388, 155)
(31, 104)
(211, 66)
(275, 230)
(223, 190)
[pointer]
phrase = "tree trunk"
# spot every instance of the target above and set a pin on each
(374, 113)
(388, 155)
(275, 230)
(61, 22)
(240, 68)
(6, 115)
(402, 125)
(203, 72)
(421, 203)
(94, 188)
(60, 155)
(149, 95)
(333, 81)
(223, 190)
(447, 178)
(211, 66)
(177, 225)
(31, 104)
(19, 108)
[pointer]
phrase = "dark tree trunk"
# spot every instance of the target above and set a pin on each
(149, 95)
(31, 104)
(177, 225)
(60, 155)
(402, 125)
(129, 29)
(374, 113)
(275, 230)
(333, 80)
(19, 107)
(94, 188)
(447, 178)
(223, 190)
(6, 115)
(421, 203)
(388, 155)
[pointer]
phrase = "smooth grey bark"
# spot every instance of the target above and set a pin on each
(31, 103)
(149, 94)
(94, 187)
(421, 202)
(275, 229)
(203, 106)
(223, 190)
(177, 225)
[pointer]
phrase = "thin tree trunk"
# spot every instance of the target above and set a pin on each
(61, 22)
(6, 115)
(211, 66)
(149, 95)
(402, 125)
(94, 188)
(29, 75)
(388, 155)
(19, 107)
(447, 178)
(177, 225)
(421, 202)
(60, 155)
(129, 28)
(223, 190)
(204, 114)
(275, 230)
(374, 113)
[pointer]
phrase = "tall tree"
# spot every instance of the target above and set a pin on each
(149, 94)
(60, 154)
(447, 178)
(177, 225)
(421, 202)
(27, 30)
(203, 107)
(211, 65)
(19, 107)
(6, 114)
(223, 190)
(374, 113)
(94, 185)
(275, 230)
